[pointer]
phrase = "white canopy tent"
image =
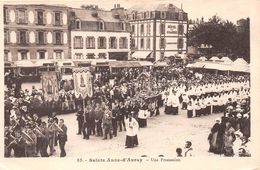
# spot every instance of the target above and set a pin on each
(226, 60)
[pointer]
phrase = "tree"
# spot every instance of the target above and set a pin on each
(224, 37)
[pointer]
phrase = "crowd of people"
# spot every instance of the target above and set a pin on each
(125, 105)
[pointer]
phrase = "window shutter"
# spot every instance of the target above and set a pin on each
(27, 37)
(53, 18)
(45, 37)
(116, 43)
(26, 16)
(74, 42)
(18, 37)
(36, 17)
(38, 55)
(105, 42)
(98, 42)
(37, 37)
(81, 42)
(110, 42)
(44, 18)
(7, 16)
(8, 36)
(87, 42)
(61, 19)
(126, 42)
(17, 16)
(94, 42)
(61, 37)
(54, 37)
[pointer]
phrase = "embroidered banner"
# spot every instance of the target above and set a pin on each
(49, 85)
(83, 82)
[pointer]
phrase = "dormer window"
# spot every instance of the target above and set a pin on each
(163, 14)
(78, 24)
(152, 14)
(147, 14)
(144, 15)
(180, 16)
(133, 16)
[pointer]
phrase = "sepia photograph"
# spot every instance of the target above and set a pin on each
(126, 81)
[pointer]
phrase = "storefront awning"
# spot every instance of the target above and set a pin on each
(145, 63)
(141, 54)
(65, 64)
(160, 64)
(119, 64)
(25, 63)
(135, 64)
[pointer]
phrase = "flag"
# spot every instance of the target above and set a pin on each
(83, 82)
(49, 85)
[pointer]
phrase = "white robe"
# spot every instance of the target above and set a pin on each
(131, 127)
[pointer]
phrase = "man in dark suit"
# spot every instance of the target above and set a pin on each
(62, 137)
(80, 119)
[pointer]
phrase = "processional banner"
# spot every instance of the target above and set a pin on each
(49, 85)
(83, 82)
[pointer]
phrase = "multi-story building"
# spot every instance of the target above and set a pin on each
(99, 34)
(35, 32)
(158, 31)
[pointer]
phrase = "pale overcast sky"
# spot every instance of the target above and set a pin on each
(227, 9)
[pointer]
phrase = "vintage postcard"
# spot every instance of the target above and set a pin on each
(137, 84)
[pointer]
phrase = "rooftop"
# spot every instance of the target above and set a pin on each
(154, 7)
(86, 15)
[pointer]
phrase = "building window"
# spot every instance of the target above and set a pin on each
(78, 42)
(6, 16)
(22, 16)
(41, 37)
(133, 29)
(6, 36)
(90, 56)
(101, 25)
(78, 56)
(133, 16)
(142, 29)
(23, 37)
(57, 38)
(148, 28)
(142, 43)
(41, 55)
(90, 42)
(163, 14)
(123, 43)
(162, 28)
(180, 43)
(133, 43)
(112, 43)
(162, 43)
(6, 58)
(78, 24)
(58, 54)
(102, 55)
(123, 26)
(102, 43)
(40, 18)
(57, 18)
(148, 42)
(180, 29)
(24, 55)
(152, 14)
